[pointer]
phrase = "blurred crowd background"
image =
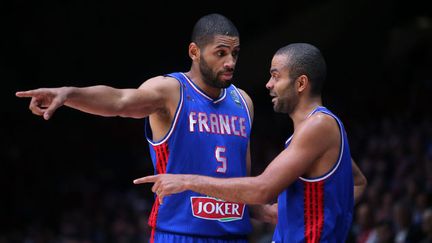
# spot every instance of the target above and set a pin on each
(69, 180)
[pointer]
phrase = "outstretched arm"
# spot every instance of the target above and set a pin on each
(104, 100)
(360, 181)
(291, 163)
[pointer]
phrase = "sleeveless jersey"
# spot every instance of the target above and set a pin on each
(207, 137)
(318, 209)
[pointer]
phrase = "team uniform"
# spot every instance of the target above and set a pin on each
(207, 137)
(318, 209)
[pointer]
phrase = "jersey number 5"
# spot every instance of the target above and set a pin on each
(221, 159)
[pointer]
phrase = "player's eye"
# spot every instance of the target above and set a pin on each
(220, 53)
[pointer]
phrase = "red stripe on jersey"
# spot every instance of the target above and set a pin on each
(314, 213)
(307, 212)
(320, 207)
(162, 154)
(165, 153)
(152, 237)
(313, 210)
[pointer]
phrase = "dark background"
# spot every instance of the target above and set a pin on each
(379, 56)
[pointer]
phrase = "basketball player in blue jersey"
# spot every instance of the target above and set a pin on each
(314, 178)
(197, 122)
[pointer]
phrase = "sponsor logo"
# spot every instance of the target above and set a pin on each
(215, 209)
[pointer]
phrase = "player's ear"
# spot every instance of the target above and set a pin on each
(302, 82)
(194, 51)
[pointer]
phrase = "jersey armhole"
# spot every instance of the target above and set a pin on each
(148, 131)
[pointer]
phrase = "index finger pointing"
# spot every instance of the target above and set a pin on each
(29, 93)
(146, 179)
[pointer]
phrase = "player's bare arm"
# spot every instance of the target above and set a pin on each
(248, 102)
(310, 142)
(360, 181)
(251, 112)
(153, 95)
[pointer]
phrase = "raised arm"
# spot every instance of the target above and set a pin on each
(154, 94)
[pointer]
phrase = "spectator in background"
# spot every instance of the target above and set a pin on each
(405, 230)
(363, 226)
(383, 233)
(427, 226)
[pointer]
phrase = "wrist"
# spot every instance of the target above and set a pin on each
(188, 181)
(67, 92)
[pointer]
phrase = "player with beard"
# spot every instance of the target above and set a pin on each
(314, 178)
(197, 122)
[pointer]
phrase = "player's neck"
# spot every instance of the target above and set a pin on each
(198, 81)
(304, 110)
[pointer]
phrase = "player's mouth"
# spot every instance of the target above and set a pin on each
(273, 96)
(227, 75)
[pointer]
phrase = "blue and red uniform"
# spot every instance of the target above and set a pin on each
(207, 137)
(318, 209)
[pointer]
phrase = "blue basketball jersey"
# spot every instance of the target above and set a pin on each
(318, 209)
(207, 137)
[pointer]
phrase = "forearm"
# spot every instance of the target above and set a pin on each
(247, 190)
(99, 100)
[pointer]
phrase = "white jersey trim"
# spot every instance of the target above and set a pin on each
(245, 104)
(288, 140)
(173, 123)
(194, 86)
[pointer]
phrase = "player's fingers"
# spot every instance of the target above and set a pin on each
(52, 108)
(156, 188)
(29, 93)
(35, 108)
(38, 111)
(33, 103)
(146, 179)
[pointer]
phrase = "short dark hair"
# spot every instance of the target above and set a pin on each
(305, 59)
(210, 25)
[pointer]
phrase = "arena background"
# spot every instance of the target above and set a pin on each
(70, 179)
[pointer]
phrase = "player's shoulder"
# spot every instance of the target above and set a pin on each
(243, 93)
(246, 96)
(163, 79)
(161, 82)
(248, 100)
(319, 130)
(320, 120)
(322, 125)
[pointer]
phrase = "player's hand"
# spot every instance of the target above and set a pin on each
(164, 184)
(45, 101)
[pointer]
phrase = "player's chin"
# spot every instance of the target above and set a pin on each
(225, 83)
(277, 108)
